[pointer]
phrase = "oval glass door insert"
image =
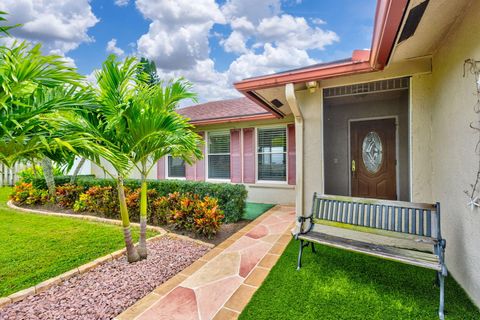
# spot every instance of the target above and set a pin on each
(372, 152)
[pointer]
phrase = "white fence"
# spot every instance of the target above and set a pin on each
(9, 176)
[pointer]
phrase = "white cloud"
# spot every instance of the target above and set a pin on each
(235, 43)
(61, 25)
(294, 32)
(121, 3)
(271, 60)
(208, 83)
(264, 40)
(178, 35)
(112, 47)
(318, 21)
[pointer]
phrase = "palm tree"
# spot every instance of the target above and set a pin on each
(156, 130)
(31, 86)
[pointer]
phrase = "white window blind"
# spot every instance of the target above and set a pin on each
(219, 155)
(176, 167)
(272, 154)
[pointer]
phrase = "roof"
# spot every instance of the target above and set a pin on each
(231, 110)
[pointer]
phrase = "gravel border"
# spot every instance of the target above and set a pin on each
(106, 286)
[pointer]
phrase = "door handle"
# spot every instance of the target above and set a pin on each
(353, 167)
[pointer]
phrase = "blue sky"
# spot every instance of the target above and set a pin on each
(211, 43)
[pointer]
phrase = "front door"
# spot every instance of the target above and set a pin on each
(373, 159)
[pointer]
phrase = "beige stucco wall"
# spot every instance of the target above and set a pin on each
(271, 193)
(311, 107)
(454, 161)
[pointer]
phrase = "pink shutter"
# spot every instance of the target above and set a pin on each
(161, 168)
(200, 164)
(249, 155)
(291, 154)
(235, 156)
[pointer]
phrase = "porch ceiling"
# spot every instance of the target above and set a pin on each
(438, 20)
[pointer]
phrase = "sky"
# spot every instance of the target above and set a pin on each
(210, 43)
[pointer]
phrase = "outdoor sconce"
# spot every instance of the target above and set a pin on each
(312, 86)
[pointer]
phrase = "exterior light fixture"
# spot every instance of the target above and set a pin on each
(312, 86)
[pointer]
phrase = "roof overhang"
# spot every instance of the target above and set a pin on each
(388, 18)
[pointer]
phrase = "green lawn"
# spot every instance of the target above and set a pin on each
(35, 248)
(254, 210)
(336, 284)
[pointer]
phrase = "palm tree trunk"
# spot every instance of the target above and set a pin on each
(34, 168)
(132, 254)
(48, 175)
(77, 170)
(142, 246)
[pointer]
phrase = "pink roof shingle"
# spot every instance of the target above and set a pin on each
(224, 111)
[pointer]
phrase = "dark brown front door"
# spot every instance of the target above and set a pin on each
(373, 166)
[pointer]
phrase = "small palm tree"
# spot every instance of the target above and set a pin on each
(156, 130)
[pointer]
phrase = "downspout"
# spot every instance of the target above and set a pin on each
(297, 113)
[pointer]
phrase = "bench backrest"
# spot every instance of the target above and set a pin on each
(398, 216)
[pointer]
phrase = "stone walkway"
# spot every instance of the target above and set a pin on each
(220, 284)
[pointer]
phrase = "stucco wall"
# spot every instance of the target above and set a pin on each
(454, 161)
(270, 193)
(311, 107)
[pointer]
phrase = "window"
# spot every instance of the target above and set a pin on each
(272, 154)
(176, 167)
(219, 155)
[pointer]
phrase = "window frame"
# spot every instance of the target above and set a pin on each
(207, 153)
(166, 170)
(257, 180)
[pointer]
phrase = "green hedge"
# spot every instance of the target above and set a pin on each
(231, 197)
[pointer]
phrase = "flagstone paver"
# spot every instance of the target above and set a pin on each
(221, 283)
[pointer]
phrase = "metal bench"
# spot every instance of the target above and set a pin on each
(395, 230)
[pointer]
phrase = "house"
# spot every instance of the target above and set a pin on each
(244, 143)
(394, 122)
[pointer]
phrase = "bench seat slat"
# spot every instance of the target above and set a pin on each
(416, 258)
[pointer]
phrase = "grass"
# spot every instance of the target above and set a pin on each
(254, 210)
(337, 284)
(35, 248)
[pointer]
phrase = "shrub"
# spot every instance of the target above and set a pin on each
(67, 195)
(103, 200)
(25, 193)
(133, 203)
(231, 197)
(208, 217)
(189, 212)
(60, 180)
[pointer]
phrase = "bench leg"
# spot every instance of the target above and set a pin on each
(300, 251)
(313, 248)
(441, 280)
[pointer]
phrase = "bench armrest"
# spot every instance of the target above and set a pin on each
(302, 220)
